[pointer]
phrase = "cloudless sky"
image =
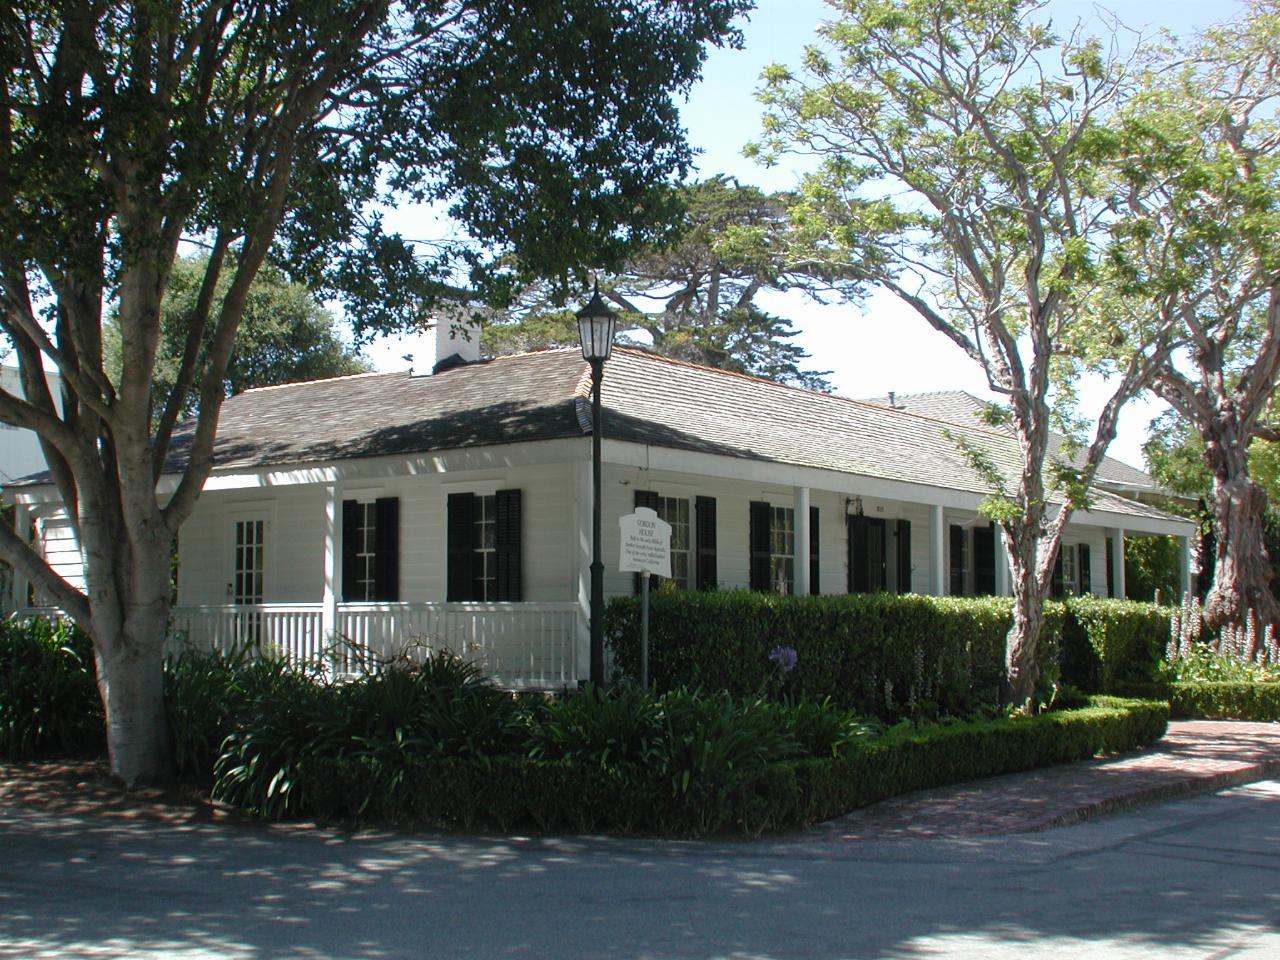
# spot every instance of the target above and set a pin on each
(880, 345)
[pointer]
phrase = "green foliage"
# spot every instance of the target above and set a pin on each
(729, 246)
(49, 703)
(1225, 700)
(285, 336)
(1201, 663)
(880, 655)
(690, 788)
(1108, 646)
(391, 747)
(1150, 565)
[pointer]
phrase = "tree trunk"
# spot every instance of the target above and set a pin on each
(131, 684)
(1242, 569)
(1021, 668)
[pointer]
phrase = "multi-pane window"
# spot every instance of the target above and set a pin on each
(1070, 569)
(782, 550)
(365, 587)
(249, 561)
(675, 511)
(486, 541)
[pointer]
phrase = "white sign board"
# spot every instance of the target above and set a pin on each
(646, 543)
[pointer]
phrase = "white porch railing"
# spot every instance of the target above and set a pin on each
(521, 645)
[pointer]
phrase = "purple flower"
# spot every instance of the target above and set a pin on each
(784, 657)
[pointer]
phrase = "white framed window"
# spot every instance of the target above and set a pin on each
(486, 547)
(366, 551)
(1070, 569)
(675, 511)
(782, 550)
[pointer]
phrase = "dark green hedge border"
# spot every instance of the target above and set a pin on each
(881, 655)
(1226, 701)
(1108, 646)
(512, 792)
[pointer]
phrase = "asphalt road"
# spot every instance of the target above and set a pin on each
(1196, 878)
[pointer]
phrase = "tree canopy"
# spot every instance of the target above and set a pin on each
(285, 336)
(278, 131)
(1200, 242)
(694, 297)
(958, 147)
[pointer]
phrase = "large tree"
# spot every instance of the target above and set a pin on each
(1201, 238)
(958, 145)
(285, 334)
(276, 130)
(695, 297)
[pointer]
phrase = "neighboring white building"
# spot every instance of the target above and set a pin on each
(20, 454)
(456, 507)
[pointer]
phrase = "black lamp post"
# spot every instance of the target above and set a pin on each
(596, 324)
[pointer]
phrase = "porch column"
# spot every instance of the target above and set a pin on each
(937, 552)
(1184, 567)
(332, 557)
(1117, 563)
(801, 562)
(1003, 587)
(22, 527)
(582, 566)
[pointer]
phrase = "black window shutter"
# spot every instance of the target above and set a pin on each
(984, 561)
(813, 551)
(761, 517)
(510, 586)
(904, 556)
(1056, 585)
(386, 547)
(461, 531)
(957, 560)
(706, 520)
(1086, 571)
(350, 547)
(646, 498)
(859, 571)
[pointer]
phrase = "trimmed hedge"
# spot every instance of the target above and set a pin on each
(1225, 701)
(1108, 646)
(882, 655)
(561, 795)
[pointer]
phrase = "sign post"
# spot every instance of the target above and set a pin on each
(646, 550)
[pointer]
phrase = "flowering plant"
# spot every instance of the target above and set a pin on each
(785, 658)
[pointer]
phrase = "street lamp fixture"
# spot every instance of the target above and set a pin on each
(596, 326)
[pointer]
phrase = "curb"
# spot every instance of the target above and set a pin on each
(1189, 786)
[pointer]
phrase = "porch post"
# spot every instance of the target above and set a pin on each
(22, 527)
(937, 552)
(1003, 588)
(583, 486)
(800, 563)
(332, 558)
(1118, 587)
(1184, 567)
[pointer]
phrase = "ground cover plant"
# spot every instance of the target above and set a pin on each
(432, 742)
(49, 703)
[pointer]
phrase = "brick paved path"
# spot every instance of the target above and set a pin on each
(1194, 756)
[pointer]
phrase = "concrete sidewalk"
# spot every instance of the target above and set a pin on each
(1195, 756)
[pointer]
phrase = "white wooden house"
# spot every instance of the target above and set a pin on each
(455, 507)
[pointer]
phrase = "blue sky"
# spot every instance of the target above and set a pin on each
(879, 346)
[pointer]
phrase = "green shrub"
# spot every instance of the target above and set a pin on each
(1225, 700)
(731, 786)
(881, 655)
(49, 702)
(284, 730)
(1109, 645)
